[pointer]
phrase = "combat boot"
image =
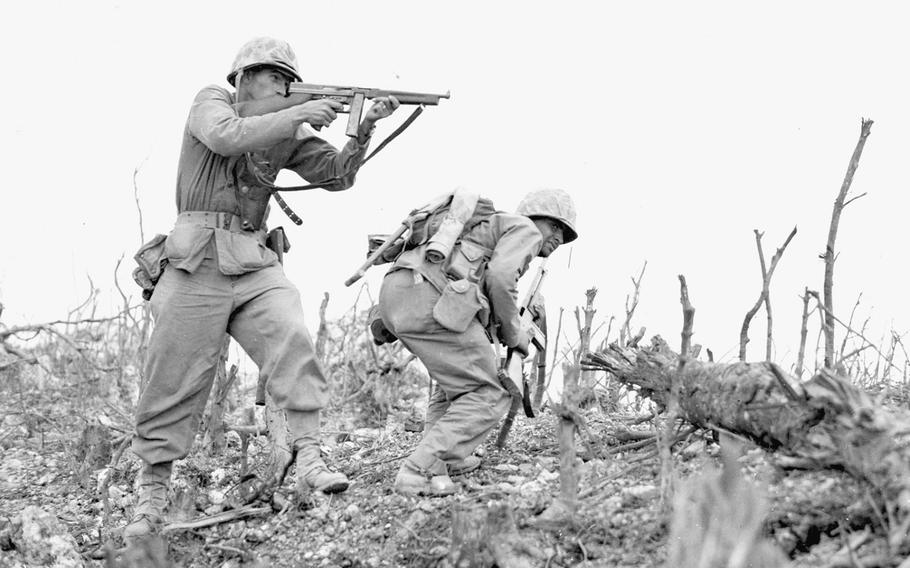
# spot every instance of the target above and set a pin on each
(412, 480)
(148, 515)
(311, 470)
(464, 466)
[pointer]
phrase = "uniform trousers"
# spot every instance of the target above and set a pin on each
(261, 310)
(469, 400)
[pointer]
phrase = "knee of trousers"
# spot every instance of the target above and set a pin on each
(296, 352)
(498, 401)
(157, 443)
(296, 379)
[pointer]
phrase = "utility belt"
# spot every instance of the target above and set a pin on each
(219, 220)
(238, 249)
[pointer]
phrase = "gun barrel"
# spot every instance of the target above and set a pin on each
(409, 98)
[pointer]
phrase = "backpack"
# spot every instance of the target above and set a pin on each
(426, 224)
(418, 228)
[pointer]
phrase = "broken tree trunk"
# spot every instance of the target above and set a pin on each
(486, 535)
(562, 510)
(825, 422)
(839, 204)
(666, 434)
(214, 431)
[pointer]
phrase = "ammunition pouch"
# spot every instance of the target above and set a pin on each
(277, 240)
(151, 260)
(468, 262)
(461, 303)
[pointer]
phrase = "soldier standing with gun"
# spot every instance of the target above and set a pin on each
(220, 276)
(440, 312)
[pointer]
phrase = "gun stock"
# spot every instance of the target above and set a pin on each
(376, 254)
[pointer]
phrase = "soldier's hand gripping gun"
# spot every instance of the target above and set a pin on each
(353, 98)
(533, 315)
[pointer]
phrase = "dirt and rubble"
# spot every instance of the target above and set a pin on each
(62, 505)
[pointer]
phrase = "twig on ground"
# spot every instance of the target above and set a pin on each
(217, 519)
(634, 464)
(387, 460)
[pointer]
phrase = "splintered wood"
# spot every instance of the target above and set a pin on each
(825, 422)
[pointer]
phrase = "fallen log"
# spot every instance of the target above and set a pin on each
(825, 422)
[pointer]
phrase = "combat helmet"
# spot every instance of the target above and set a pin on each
(552, 203)
(264, 51)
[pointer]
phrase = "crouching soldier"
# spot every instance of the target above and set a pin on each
(220, 277)
(441, 312)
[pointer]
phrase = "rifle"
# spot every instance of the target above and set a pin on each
(276, 241)
(396, 237)
(354, 98)
(533, 316)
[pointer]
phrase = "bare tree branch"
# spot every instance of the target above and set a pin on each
(803, 333)
(625, 331)
(827, 314)
(136, 198)
(828, 290)
(764, 297)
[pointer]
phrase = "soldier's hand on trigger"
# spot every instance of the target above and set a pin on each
(319, 112)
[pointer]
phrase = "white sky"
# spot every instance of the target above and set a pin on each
(679, 127)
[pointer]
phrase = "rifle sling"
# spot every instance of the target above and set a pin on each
(287, 208)
(329, 182)
(413, 116)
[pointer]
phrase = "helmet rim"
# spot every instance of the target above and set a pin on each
(264, 51)
(554, 204)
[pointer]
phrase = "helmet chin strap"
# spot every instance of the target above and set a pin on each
(237, 79)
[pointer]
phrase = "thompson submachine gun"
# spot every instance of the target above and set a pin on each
(354, 97)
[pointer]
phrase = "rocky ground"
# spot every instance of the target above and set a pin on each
(61, 504)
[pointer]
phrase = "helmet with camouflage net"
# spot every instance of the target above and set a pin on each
(264, 51)
(552, 203)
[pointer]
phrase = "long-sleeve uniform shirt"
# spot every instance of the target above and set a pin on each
(218, 149)
(506, 244)
(221, 278)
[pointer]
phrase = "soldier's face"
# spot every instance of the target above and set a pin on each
(266, 82)
(552, 235)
